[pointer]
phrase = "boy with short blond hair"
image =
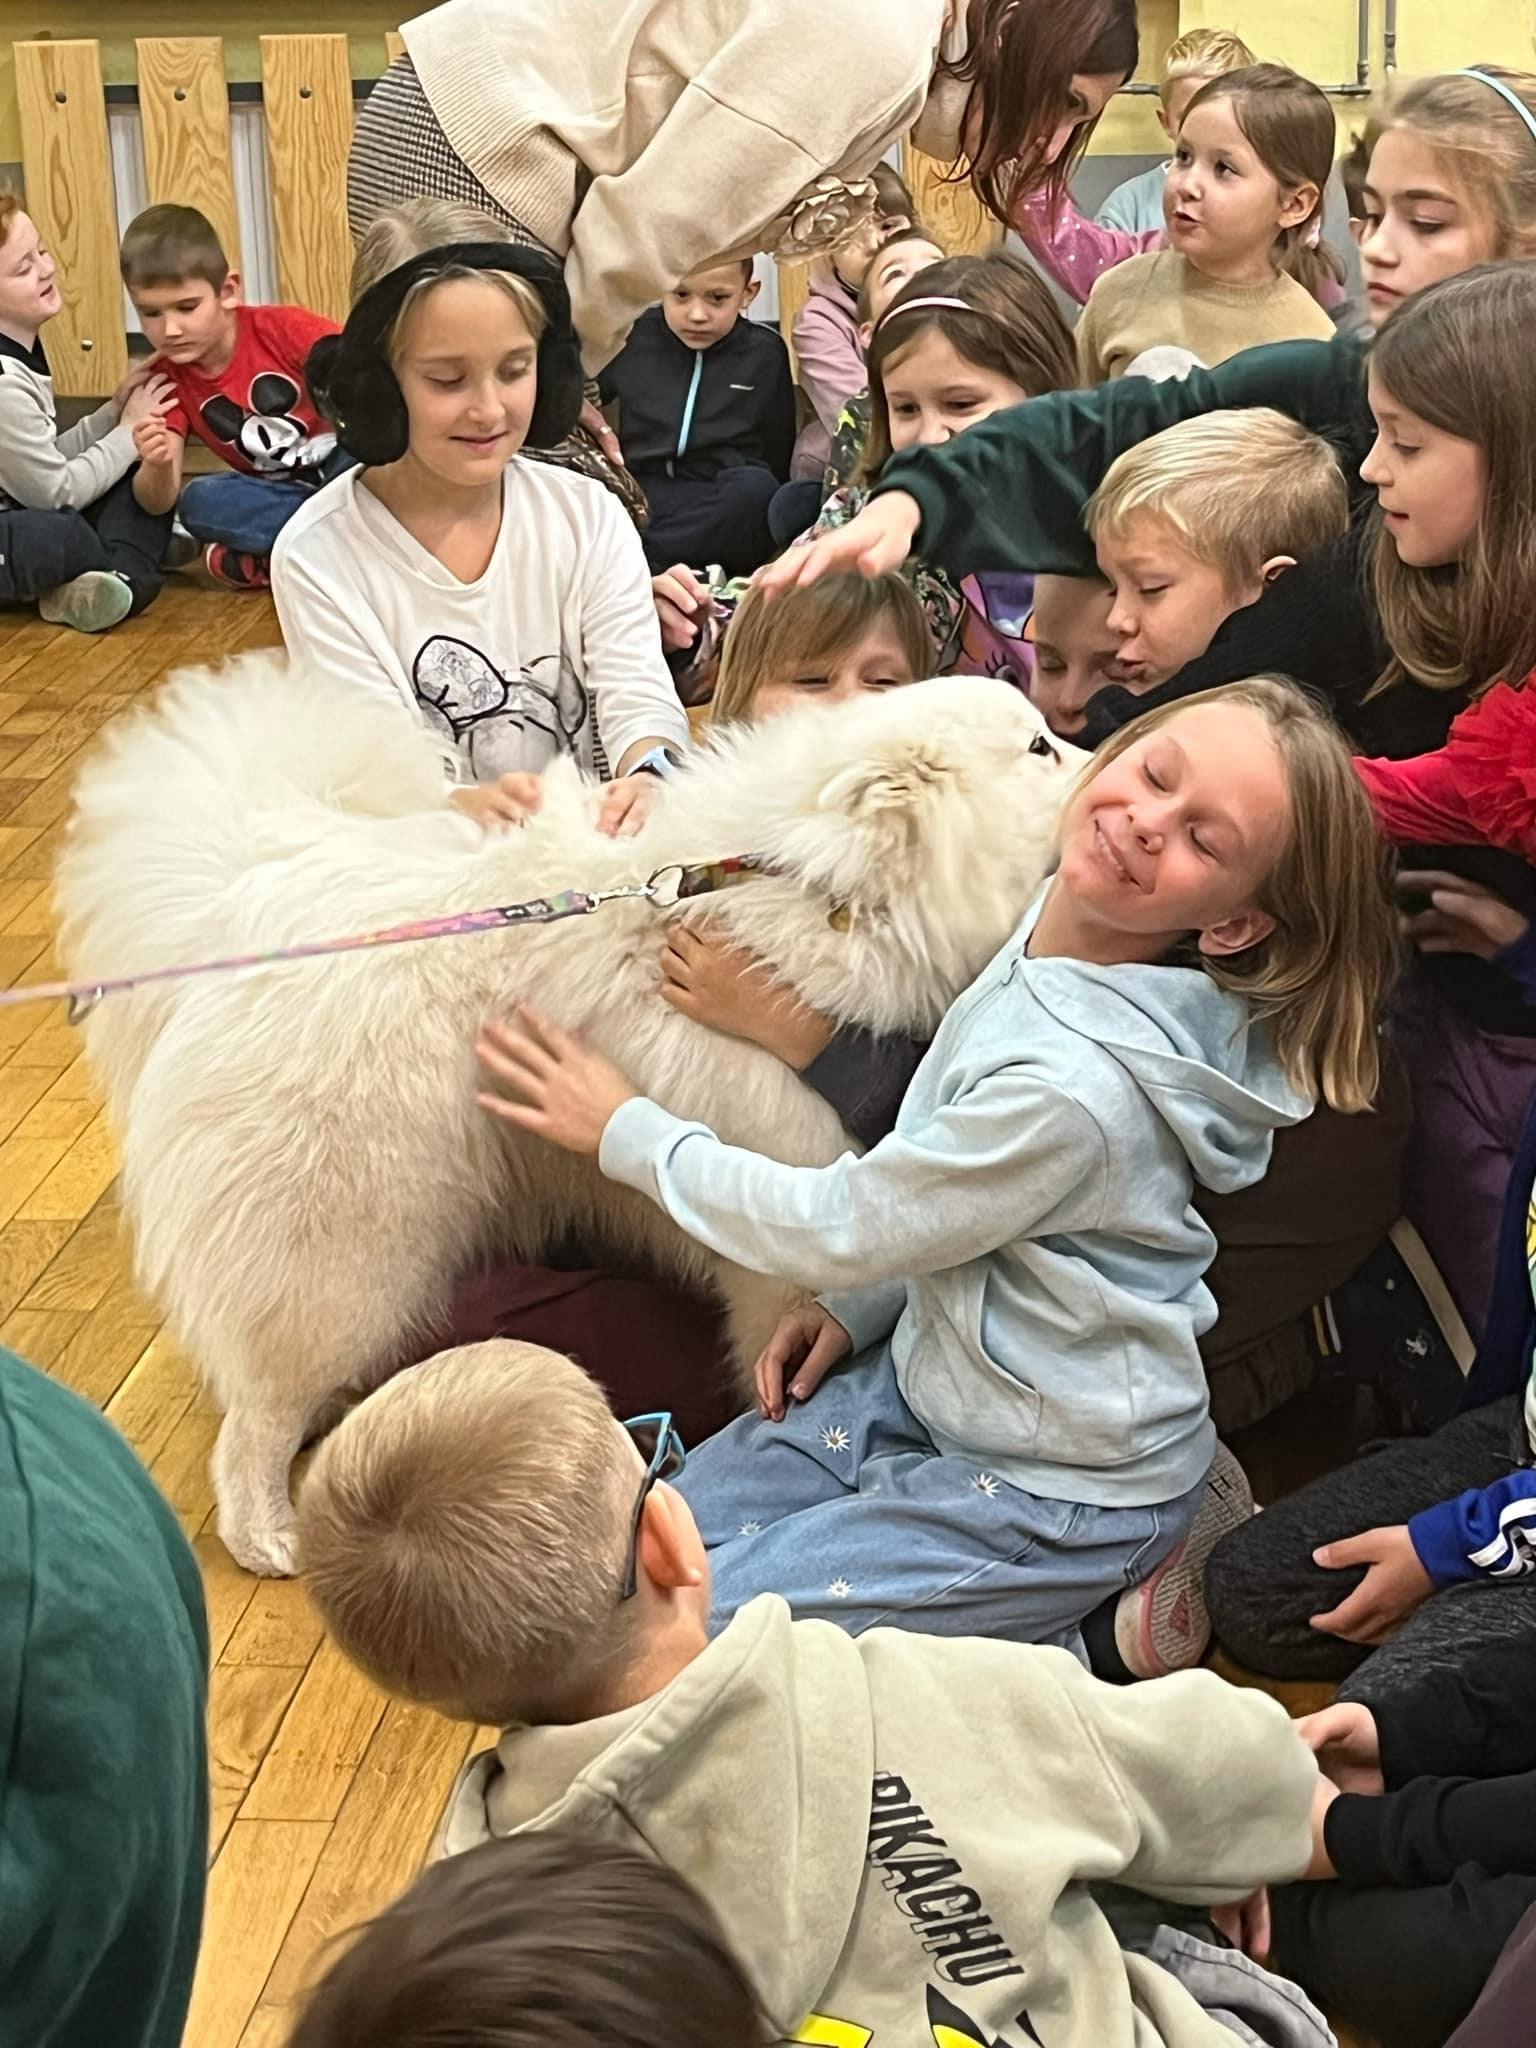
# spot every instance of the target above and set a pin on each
(238, 375)
(894, 1831)
(1198, 521)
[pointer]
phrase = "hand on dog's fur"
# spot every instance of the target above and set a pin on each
(511, 800)
(562, 1091)
(808, 1341)
(626, 804)
(728, 988)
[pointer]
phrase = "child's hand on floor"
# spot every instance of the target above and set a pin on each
(728, 988)
(1345, 1741)
(681, 601)
(1395, 1583)
(560, 1090)
(808, 1341)
(1463, 916)
(511, 800)
(148, 400)
(874, 540)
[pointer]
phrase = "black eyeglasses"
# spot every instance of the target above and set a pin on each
(658, 1442)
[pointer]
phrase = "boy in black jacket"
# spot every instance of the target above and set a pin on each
(707, 418)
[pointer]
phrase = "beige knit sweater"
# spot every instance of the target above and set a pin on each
(641, 139)
(1160, 300)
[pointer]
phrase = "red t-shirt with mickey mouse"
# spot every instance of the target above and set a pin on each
(258, 415)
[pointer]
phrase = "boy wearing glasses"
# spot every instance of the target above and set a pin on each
(894, 1831)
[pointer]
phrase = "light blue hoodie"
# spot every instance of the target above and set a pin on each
(1025, 1235)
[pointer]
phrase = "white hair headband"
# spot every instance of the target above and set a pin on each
(914, 305)
(1505, 93)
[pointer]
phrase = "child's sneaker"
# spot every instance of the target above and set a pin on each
(1162, 1624)
(1394, 1329)
(181, 550)
(90, 603)
(236, 571)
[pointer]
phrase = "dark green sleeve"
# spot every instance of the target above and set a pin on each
(1009, 493)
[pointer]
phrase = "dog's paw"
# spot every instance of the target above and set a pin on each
(269, 1553)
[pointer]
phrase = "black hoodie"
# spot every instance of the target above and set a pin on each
(691, 413)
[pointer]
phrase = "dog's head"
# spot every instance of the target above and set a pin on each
(931, 808)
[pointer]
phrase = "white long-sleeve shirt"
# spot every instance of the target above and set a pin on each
(41, 469)
(554, 650)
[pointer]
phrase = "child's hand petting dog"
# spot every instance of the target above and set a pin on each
(1395, 1583)
(626, 805)
(728, 988)
(510, 800)
(559, 1089)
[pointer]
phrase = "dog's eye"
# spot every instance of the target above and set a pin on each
(1041, 747)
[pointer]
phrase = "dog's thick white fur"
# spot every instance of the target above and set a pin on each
(305, 1169)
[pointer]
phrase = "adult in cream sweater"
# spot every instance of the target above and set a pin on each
(639, 140)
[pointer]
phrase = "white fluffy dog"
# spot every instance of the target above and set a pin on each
(304, 1165)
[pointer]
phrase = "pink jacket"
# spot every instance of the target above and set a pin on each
(829, 364)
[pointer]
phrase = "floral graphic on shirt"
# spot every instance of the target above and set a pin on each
(487, 715)
(750, 1529)
(840, 1589)
(986, 1482)
(836, 1438)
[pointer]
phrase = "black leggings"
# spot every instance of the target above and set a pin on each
(1262, 1587)
(1404, 1966)
(41, 550)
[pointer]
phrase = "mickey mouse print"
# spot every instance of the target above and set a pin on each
(256, 413)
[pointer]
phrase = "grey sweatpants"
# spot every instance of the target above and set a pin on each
(1262, 1587)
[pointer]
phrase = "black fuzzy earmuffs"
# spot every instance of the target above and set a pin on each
(354, 384)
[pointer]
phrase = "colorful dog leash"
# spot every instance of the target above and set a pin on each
(666, 888)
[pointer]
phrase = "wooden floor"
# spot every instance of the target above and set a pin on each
(324, 1793)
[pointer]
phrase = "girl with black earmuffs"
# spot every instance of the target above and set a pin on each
(506, 604)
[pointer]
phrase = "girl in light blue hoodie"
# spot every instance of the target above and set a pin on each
(1021, 1430)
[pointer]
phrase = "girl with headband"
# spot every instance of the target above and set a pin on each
(506, 604)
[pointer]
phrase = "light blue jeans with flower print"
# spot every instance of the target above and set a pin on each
(848, 1509)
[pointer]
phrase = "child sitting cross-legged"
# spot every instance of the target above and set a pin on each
(75, 537)
(895, 1835)
(707, 419)
(1014, 1424)
(238, 379)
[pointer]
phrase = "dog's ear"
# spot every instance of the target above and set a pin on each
(889, 791)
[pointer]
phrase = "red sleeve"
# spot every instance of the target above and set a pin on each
(1418, 800)
(1481, 785)
(290, 332)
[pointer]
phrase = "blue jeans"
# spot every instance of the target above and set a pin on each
(247, 513)
(849, 1510)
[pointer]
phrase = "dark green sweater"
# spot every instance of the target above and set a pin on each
(103, 1687)
(1009, 493)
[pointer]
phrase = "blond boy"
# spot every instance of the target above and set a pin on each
(894, 1831)
(1192, 61)
(1197, 522)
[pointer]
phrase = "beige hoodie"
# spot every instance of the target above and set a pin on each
(894, 1829)
(702, 125)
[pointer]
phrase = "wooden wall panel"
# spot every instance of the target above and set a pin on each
(184, 106)
(952, 213)
(394, 44)
(68, 171)
(307, 90)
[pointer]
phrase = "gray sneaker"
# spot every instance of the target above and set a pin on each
(90, 603)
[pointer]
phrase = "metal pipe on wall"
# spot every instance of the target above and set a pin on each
(1389, 37)
(1357, 88)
